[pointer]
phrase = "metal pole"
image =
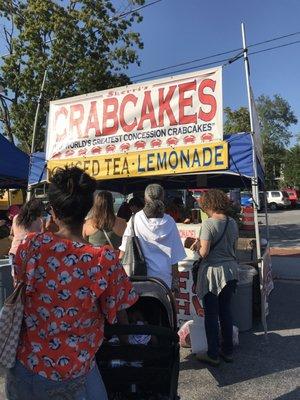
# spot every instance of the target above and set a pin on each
(37, 113)
(254, 180)
(35, 125)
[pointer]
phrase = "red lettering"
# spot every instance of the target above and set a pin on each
(76, 121)
(185, 307)
(186, 102)
(165, 107)
(184, 274)
(208, 99)
(110, 116)
(93, 121)
(183, 296)
(147, 111)
(130, 98)
(182, 284)
(60, 134)
(197, 306)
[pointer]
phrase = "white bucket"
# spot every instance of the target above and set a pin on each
(198, 336)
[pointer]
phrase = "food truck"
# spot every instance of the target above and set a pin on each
(168, 131)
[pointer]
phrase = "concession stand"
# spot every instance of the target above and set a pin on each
(168, 131)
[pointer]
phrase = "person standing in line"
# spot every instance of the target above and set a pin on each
(71, 289)
(136, 204)
(124, 211)
(29, 219)
(103, 226)
(217, 275)
(159, 238)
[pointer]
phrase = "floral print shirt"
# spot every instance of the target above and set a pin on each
(71, 288)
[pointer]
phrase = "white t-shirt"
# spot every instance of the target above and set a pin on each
(160, 243)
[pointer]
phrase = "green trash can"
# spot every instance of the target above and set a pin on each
(6, 280)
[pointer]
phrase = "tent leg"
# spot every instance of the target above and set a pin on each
(258, 253)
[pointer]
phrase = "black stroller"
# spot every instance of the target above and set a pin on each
(139, 371)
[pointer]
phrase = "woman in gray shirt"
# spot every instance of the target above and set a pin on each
(217, 274)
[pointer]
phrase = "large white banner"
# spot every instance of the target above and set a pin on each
(172, 112)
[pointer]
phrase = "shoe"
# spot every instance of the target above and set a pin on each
(226, 357)
(214, 362)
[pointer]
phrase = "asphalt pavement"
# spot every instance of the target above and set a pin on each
(266, 367)
(284, 228)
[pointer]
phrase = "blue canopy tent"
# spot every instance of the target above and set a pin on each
(238, 174)
(37, 169)
(14, 165)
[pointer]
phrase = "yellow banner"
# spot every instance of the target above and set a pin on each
(179, 160)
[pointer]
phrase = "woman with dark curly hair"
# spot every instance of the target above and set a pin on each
(71, 289)
(217, 275)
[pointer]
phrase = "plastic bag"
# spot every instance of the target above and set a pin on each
(198, 336)
(235, 336)
(184, 335)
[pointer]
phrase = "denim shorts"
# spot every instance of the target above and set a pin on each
(22, 384)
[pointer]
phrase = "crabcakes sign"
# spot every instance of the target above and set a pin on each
(171, 125)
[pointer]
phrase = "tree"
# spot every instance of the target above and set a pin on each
(275, 117)
(236, 121)
(291, 169)
(84, 44)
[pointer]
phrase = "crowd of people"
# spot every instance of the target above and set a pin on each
(75, 281)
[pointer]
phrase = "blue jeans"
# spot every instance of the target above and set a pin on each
(218, 308)
(22, 384)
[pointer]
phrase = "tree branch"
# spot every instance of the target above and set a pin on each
(6, 120)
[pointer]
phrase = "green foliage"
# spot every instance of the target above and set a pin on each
(291, 169)
(275, 117)
(84, 44)
(236, 121)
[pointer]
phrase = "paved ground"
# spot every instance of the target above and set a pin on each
(284, 228)
(265, 368)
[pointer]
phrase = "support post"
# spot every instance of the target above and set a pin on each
(254, 180)
(35, 127)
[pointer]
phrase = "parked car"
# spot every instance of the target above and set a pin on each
(246, 199)
(197, 193)
(294, 196)
(278, 199)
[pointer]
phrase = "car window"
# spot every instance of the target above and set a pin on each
(286, 195)
(275, 194)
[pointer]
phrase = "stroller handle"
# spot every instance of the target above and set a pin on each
(169, 293)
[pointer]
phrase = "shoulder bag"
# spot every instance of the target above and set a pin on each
(11, 318)
(197, 263)
(133, 256)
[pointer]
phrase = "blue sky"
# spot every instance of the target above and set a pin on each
(176, 31)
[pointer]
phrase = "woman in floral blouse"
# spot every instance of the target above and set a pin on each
(71, 288)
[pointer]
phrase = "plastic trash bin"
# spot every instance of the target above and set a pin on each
(242, 299)
(6, 281)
